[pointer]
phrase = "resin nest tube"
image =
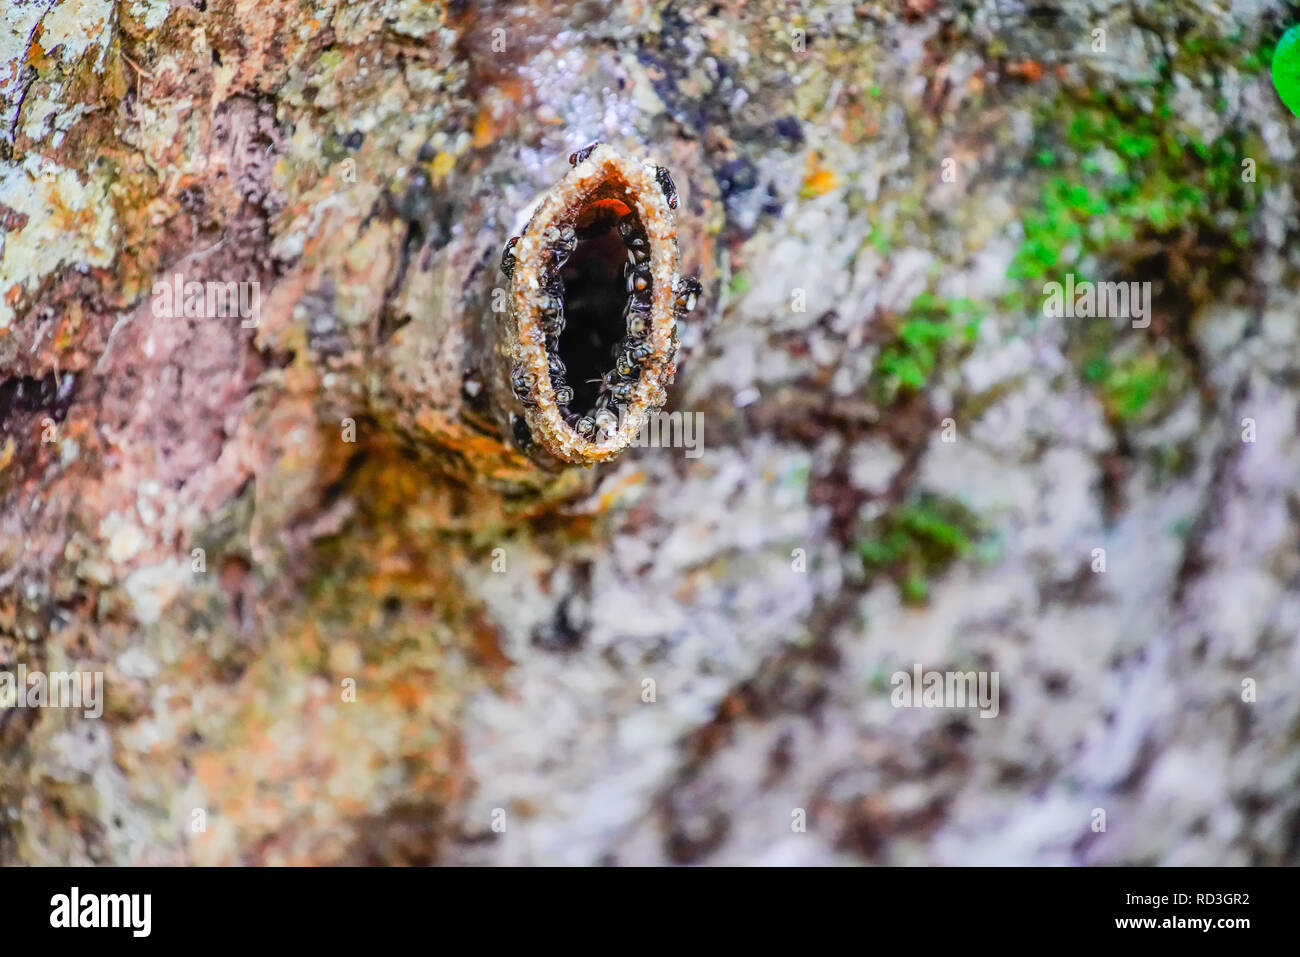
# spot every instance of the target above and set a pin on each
(593, 305)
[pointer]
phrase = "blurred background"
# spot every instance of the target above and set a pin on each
(340, 617)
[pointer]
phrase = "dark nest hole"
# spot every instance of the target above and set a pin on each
(595, 294)
(594, 313)
(601, 275)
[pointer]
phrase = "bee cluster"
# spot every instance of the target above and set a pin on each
(641, 366)
(561, 241)
(629, 354)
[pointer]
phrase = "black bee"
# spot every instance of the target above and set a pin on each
(638, 250)
(607, 381)
(508, 258)
(624, 365)
(639, 352)
(638, 247)
(555, 365)
(688, 291)
(561, 242)
(578, 156)
(622, 391)
(638, 319)
(521, 380)
(523, 437)
(550, 308)
(563, 393)
(586, 427)
(638, 277)
(665, 181)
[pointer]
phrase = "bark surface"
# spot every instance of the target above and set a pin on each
(342, 618)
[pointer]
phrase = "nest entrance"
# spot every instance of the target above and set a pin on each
(595, 299)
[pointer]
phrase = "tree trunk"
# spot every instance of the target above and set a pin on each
(341, 614)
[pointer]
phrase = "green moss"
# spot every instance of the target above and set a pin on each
(930, 328)
(882, 237)
(1258, 60)
(1130, 388)
(1131, 384)
(1127, 175)
(918, 541)
(1135, 192)
(915, 590)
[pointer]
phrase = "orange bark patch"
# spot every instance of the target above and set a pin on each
(818, 179)
(1031, 70)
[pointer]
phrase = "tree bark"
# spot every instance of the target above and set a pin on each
(342, 617)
